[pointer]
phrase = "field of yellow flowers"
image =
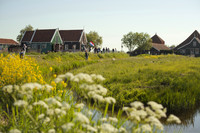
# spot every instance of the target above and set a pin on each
(32, 105)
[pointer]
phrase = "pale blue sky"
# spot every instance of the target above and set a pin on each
(172, 20)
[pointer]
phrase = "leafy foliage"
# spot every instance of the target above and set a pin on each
(140, 40)
(22, 31)
(95, 38)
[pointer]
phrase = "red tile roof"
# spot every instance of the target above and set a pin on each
(194, 34)
(8, 41)
(70, 35)
(27, 36)
(43, 35)
(157, 39)
(160, 46)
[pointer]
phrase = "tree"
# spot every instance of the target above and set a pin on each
(140, 40)
(95, 38)
(22, 31)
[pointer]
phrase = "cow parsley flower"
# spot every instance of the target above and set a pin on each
(107, 128)
(8, 88)
(21, 103)
(68, 126)
(81, 118)
(41, 103)
(14, 131)
(52, 131)
(172, 118)
(41, 116)
(80, 105)
(155, 105)
(113, 119)
(137, 105)
(110, 100)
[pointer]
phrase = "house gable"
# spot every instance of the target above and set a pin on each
(71, 35)
(56, 39)
(43, 35)
(157, 39)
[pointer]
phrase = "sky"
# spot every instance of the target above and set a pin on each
(172, 20)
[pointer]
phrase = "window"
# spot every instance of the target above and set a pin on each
(196, 50)
(44, 46)
(66, 47)
(182, 51)
(191, 51)
(194, 43)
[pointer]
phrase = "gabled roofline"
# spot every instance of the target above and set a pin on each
(53, 35)
(187, 43)
(32, 36)
(22, 37)
(81, 36)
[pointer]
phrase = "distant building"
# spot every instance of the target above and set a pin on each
(158, 47)
(7, 45)
(73, 40)
(42, 41)
(190, 46)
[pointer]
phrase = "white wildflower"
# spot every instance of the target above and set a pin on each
(52, 131)
(50, 112)
(110, 100)
(16, 87)
(103, 119)
(20, 103)
(150, 112)
(155, 105)
(113, 119)
(57, 80)
(105, 127)
(41, 103)
(160, 113)
(30, 107)
(81, 118)
(47, 87)
(47, 120)
(80, 105)
(8, 88)
(90, 113)
(100, 77)
(75, 79)
(90, 128)
(65, 106)
(172, 118)
(62, 76)
(68, 126)
(69, 75)
(31, 86)
(98, 98)
(144, 128)
(137, 105)
(14, 131)
(57, 111)
(53, 101)
(154, 121)
(41, 116)
(122, 130)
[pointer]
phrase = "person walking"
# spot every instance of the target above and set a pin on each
(86, 55)
(24, 48)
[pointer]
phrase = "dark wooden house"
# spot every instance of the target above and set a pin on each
(191, 46)
(42, 41)
(158, 47)
(8, 45)
(73, 40)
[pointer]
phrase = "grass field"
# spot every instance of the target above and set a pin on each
(37, 95)
(170, 80)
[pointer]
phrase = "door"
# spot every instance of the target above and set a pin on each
(38, 48)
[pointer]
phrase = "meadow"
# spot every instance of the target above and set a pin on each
(170, 80)
(39, 94)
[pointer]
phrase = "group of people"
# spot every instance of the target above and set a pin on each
(104, 50)
(23, 51)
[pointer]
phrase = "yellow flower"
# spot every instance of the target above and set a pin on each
(51, 69)
(54, 75)
(53, 83)
(63, 83)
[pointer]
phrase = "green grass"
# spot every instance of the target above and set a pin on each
(170, 80)
(64, 62)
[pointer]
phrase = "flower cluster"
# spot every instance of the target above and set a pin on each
(14, 70)
(149, 115)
